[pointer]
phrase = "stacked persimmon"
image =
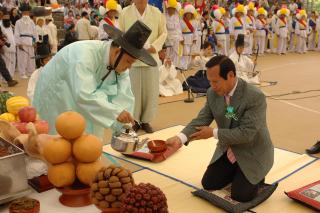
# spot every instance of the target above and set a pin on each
(74, 154)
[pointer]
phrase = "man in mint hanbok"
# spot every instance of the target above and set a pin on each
(92, 78)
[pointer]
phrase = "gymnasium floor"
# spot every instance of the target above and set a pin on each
(293, 121)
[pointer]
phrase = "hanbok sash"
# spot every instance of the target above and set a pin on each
(189, 25)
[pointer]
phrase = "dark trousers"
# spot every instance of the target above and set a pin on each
(222, 172)
(4, 71)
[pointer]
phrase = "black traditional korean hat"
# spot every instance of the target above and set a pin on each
(133, 41)
(240, 41)
(43, 51)
(25, 7)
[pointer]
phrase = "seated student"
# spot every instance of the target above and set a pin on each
(169, 85)
(43, 55)
(244, 153)
(205, 55)
(70, 37)
(199, 82)
(244, 65)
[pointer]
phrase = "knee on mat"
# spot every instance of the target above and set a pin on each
(209, 184)
(242, 195)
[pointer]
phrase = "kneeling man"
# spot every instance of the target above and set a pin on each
(244, 153)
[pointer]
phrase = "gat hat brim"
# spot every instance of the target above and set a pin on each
(42, 56)
(40, 11)
(43, 51)
(140, 54)
(25, 7)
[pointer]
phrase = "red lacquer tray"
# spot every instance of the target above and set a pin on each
(145, 154)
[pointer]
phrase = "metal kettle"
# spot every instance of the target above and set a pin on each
(127, 141)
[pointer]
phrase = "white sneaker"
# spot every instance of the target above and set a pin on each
(24, 77)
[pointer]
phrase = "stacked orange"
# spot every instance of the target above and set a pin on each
(74, 154)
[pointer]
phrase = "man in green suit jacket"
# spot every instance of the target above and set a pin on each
(244, 153)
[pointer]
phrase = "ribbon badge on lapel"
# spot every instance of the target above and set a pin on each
(230, 114)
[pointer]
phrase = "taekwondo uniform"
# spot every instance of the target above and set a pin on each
(301, 31)
(174, 37)
(26, 36)
(9, 53)
(219, 29)
(250, 27)
(292, 26)
(261, 27)
(282, 33)
(237, 26)
(189, 34)
(313, 33)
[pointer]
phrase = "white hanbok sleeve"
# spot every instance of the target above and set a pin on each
(32, 83)
(163, 74)
(248, 63)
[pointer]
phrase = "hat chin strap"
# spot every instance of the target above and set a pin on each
(116, 63)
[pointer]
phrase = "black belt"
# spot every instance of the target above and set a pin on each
(25, 35)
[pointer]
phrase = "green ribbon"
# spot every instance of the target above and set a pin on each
(230, 114)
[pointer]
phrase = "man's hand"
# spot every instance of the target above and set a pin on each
(152, 50)
(203, 133)
(125, 117)
(174, 142)
(182, 42)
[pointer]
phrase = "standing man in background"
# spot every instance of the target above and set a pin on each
(53, 34)
(9, 53)
(26, 36)
(83, 27)
(144, 78)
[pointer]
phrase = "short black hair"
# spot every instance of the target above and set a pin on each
(206, 44)
(225, 63)
(84, 13)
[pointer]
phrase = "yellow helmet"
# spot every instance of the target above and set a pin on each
(262, 11)
(303, 13)
(283, 11)
(251, 6)
(222, 10)
(111, 5)
(239, 8)
(172, 4)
